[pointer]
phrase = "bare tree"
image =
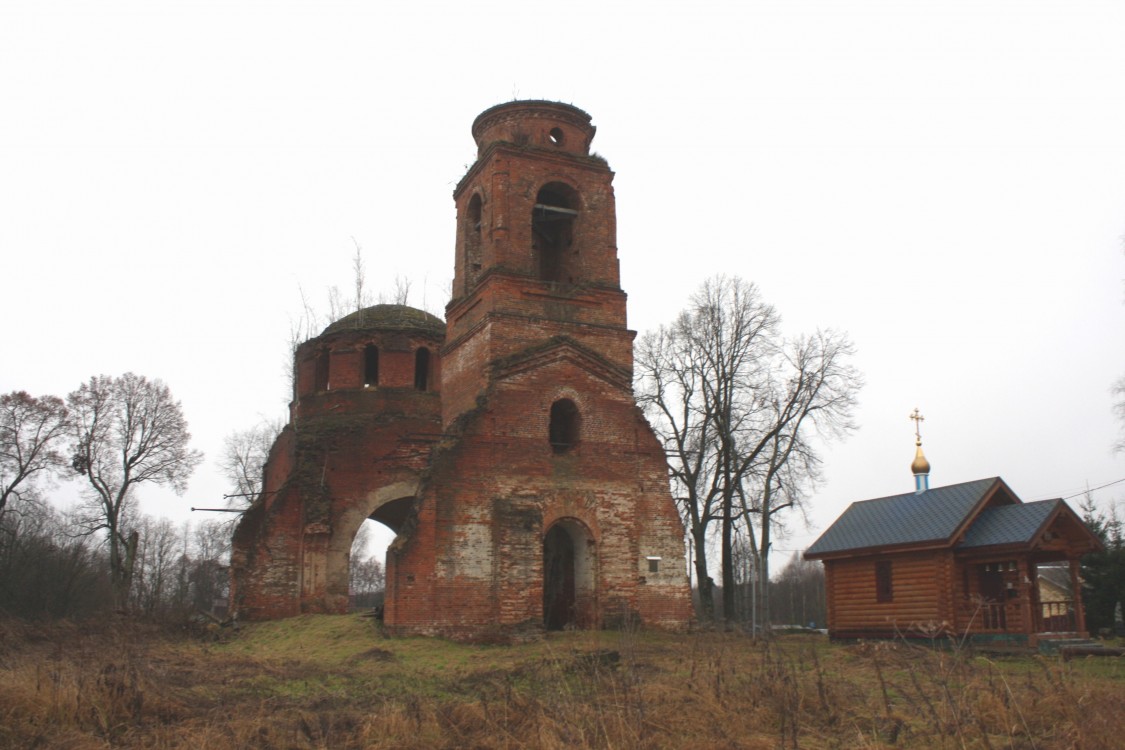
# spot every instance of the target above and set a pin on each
(401, 294)
(815, 398)
(160, 548)
(361, 300)
(32, 430)
(128, 431)
(694, 377)
(338, 307)
(209, 576)
(243, 459)
(736, 407)
(668, 390)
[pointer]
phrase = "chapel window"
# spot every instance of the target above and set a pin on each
(884, 587)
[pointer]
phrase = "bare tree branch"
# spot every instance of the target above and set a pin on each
(243, 460)
(31, 432)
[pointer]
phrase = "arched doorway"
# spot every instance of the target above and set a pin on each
(558, 579)
(568, 576)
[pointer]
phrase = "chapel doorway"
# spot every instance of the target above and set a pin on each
(990, 585)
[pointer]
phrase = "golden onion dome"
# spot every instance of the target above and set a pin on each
(920, 464)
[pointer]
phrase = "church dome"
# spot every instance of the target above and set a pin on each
(388, 317)
(920, 464)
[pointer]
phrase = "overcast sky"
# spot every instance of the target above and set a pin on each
(943, 180)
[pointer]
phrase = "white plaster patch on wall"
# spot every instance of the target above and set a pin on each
(475, 558)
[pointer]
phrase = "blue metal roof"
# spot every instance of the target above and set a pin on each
(1008, 524)
(930, 516)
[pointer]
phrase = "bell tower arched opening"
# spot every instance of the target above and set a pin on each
(552, 232)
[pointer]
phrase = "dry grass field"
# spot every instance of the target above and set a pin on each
(335, 682)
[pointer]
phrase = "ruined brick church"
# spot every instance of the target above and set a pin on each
(504, 446)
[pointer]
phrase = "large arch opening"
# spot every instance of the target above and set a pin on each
(568, 576)
(367, 558)
(354, 554)
(367, 573)
(552, 231)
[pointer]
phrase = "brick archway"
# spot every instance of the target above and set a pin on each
(389, 505)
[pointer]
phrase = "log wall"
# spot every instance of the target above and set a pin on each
(920, 600)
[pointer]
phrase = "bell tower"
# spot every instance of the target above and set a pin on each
(536, 250)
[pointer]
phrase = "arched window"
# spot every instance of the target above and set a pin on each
(552, 231)
(472, 241)
(564, 427)
(422, 369)
(321, 378)
(370, 366)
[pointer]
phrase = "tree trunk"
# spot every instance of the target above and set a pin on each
(728, 562)
(703, 579)
(121, 569)
(764, 574)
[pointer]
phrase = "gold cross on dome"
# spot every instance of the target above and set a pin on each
(918, 420)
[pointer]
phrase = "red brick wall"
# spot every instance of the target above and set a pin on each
(492, 496)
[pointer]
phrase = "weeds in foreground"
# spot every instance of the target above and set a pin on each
(278, 686)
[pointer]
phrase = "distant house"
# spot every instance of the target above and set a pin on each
(957, 560)
(1056, 593)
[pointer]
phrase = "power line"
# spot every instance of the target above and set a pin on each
(1091, 489)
